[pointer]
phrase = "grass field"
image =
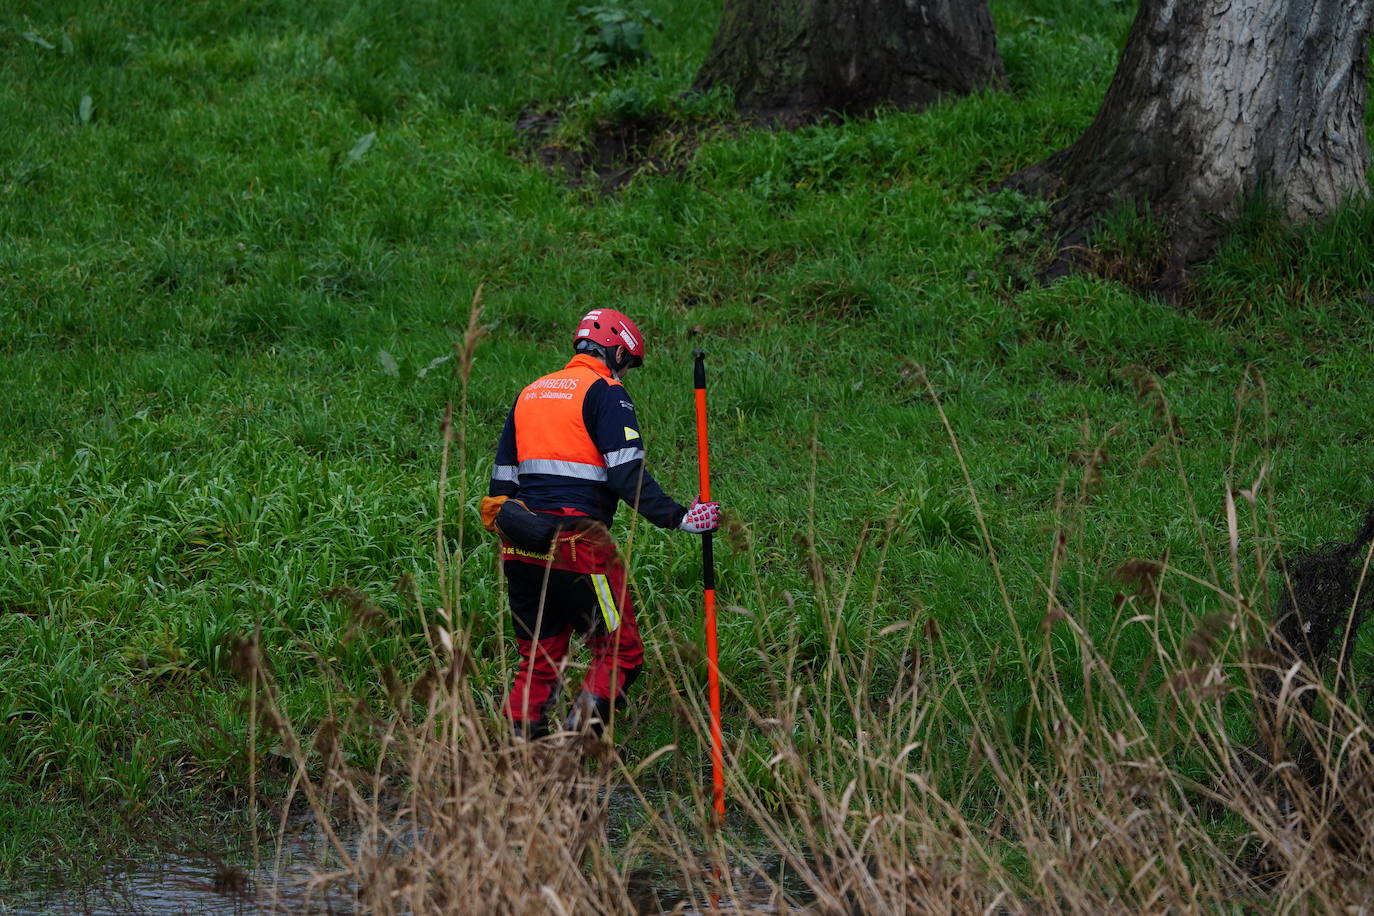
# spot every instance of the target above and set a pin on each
(238, 243)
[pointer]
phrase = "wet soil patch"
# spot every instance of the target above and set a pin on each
(610, 156)
(613, 153)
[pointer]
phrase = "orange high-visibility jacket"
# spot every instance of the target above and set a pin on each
(572, 444)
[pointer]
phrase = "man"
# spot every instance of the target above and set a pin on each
(570, 452)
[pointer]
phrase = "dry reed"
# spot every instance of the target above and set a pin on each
(1249, 787)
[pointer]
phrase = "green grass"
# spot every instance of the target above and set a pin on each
(222, 314)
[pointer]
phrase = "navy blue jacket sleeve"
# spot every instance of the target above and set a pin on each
(610, 417)
(505, 472)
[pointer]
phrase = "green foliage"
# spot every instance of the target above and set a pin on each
(612, 35)
(820, 159)
(1006, 212)
(1322, 270)
(934, 519)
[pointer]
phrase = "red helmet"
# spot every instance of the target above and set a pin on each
(610, 329)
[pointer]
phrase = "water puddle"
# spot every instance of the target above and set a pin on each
(285, 880)
(177, 885)
(196, 885)
(174, 886)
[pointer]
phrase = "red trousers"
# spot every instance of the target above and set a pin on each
(580, 586)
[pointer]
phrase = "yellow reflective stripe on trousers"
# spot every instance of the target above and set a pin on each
(607, 601)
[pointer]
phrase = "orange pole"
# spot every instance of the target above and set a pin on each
(708, 579)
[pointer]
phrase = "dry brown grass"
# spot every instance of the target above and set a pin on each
(1226, 776)
(1250, 788)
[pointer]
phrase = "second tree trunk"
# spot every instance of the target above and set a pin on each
(833, 55)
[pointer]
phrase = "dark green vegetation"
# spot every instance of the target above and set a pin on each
(238, 242)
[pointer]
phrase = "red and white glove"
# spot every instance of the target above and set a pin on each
(701, 518)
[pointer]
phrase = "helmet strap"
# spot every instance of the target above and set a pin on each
(617, 359)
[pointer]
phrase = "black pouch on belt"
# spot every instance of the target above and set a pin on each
(532, 531)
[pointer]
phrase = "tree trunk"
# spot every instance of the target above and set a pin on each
(812, 56)
(1214, 102)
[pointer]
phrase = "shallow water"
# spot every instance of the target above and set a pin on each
(186, 886)
(176, 886)
(185, 882)
(177, 883)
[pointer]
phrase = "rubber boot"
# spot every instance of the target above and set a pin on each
(530, 731)
(589, 713)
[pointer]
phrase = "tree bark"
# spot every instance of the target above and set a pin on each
(1214, 102)
(813, 56)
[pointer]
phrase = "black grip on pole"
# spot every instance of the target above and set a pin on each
(708, 563)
